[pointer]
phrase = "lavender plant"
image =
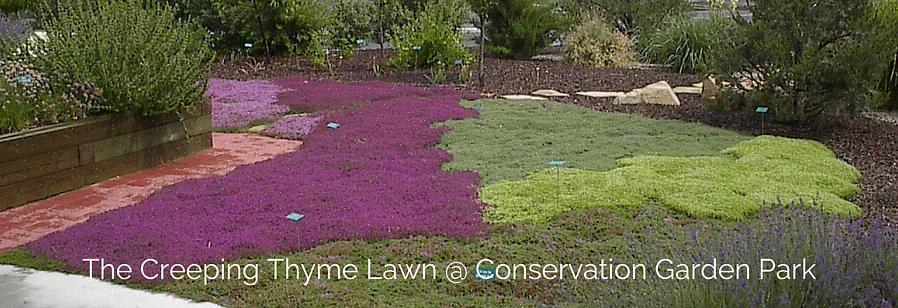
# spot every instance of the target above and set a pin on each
(854, 260)
(13, 32)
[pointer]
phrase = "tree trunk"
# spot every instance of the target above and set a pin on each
(482, 45)
(262, 29)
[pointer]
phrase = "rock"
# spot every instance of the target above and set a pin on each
(658, 93)
(549, 93)
(552, 58)
(523, 97)
(257, 129)
(710, 89)
(599, 94)
(687, 90)
(630, 98)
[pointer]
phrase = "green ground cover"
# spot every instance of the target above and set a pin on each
(513, 139)
(764, 170)
(576, 237)
(622, 161)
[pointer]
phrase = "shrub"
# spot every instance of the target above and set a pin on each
(15, 108)
(793, 58)
(430, 38)
(854, 263)
(595, 43)
(685, 44)
(31, 99)
(521, 28)
(13, 33)
(270, 26)
(387, 16)
(14, 6)
(222, 32)
(351, 23)
(632, 16)
(152, 63)
(885, 17)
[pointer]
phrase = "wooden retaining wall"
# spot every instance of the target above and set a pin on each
(47, 161)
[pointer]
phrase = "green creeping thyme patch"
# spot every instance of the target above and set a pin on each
(750, 175)
(512, 139)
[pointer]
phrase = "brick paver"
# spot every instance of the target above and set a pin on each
(27, 223)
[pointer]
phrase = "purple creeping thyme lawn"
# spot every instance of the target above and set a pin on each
(377, 176)
(295, 127)
(237, 104)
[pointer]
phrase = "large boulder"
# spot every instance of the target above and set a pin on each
(659, 93)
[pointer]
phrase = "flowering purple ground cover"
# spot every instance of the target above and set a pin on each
(377, 176)
(237, 104)
(295, 127)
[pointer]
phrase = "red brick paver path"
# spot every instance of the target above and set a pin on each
(27, 223)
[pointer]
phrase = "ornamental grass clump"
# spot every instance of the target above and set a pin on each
(151, 61)
(377, 176)
(854, 263)
(760, 172)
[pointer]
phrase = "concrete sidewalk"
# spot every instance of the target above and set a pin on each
(24, 288)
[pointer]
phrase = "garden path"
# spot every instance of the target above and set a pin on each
(24, 224)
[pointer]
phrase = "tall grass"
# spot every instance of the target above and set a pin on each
(685, 45)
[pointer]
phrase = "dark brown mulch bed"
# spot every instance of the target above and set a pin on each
(869, 145)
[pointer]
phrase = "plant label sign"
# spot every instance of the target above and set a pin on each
(486, 274)
(478, 106)
(248, 45)
(762, 109)
(556, 163)
(295, 216)
(333, 125)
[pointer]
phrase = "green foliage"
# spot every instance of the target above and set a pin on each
(521, 28)
(795, 59)
(277, 26)
(431, 37)
(885, 19)
(595, 43)
(352, 22)
(15, 108)
(762, 171)
(13, 33)
(686, 44)
(152, 63)
(513, 139)
(14, 6)
(635, 16)
(576, 238)
(387, 15)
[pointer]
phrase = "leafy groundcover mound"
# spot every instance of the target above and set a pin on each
(376, 176)
(513, 139)
(764, 170)
(623, 161)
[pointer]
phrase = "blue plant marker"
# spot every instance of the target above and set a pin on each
(487, 274)
(248, 45)
(556, 163)
(762, 109)
(459, 62)
(25, 80)
(478, 106)
(416, 48)
(295, 216)
(333, 125)
(360, 42)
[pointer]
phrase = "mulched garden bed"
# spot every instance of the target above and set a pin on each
(869, 145)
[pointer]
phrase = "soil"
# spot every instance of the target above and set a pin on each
(869, 145)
